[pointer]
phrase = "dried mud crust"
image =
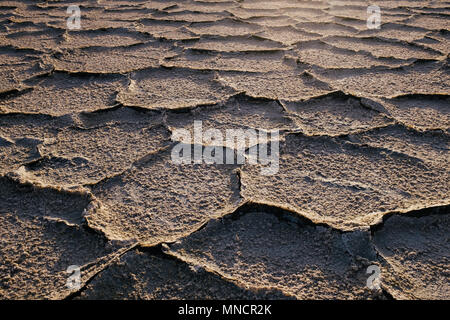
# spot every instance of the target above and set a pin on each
(259, 250)
(417, 255)
(42, 235)
(362, 182)
(151, 275)
(87, 123)
(159, 201)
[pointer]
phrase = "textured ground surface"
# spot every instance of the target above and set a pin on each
(86, 124)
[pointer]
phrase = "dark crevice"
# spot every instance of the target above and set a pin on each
(427, 211)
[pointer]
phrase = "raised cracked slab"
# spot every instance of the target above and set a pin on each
(41, 237)
(78, 156)
(173, 89)
(429, 146)
(417, 254)
(17, 66)
(292, 85)
(361, 182)
(110, 60)
(62, 94)
(158, 200)
(419, 78)
(334, 114)
(142, 275)
(263, 250)
(240, 112)
(421, 111)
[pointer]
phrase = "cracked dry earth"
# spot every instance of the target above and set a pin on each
(86, 124)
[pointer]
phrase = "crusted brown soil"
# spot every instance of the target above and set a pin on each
(88, 122)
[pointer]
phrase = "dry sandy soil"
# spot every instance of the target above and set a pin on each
(86, 124)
